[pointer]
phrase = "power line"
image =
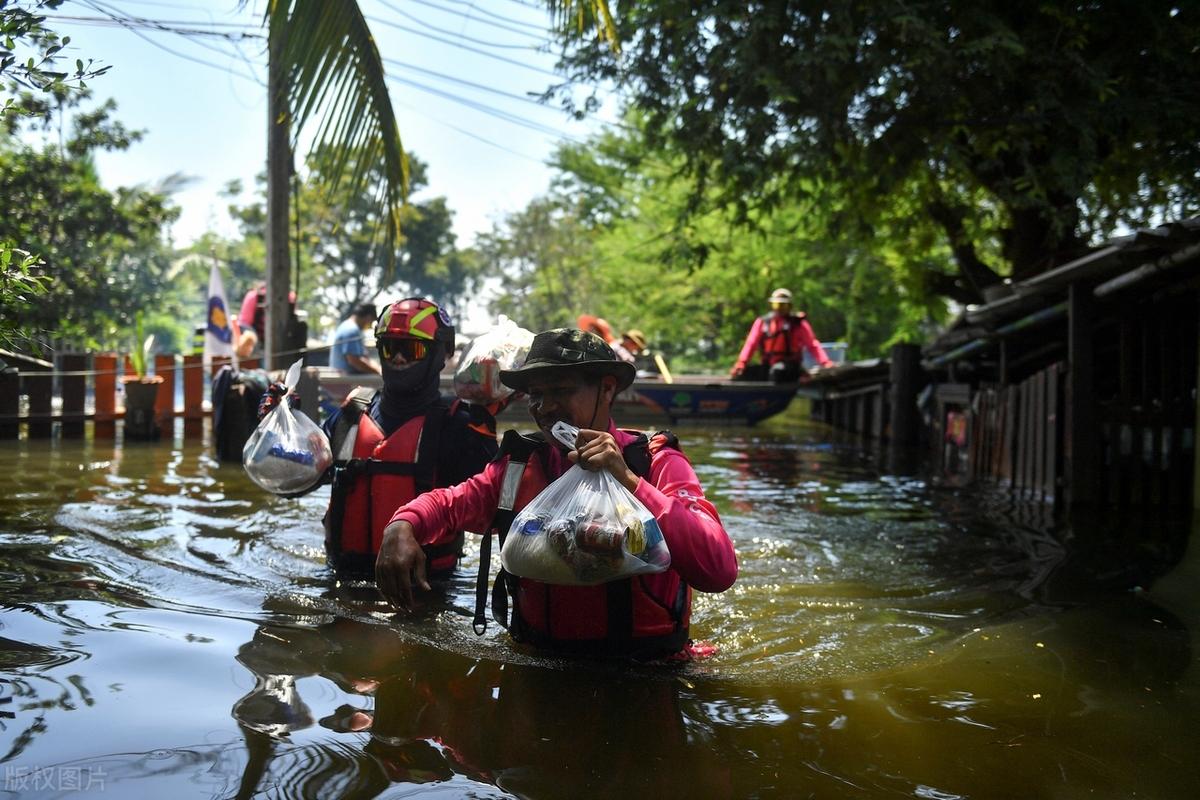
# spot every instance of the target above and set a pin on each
(476, 50)
(158, 22)
(492, 90)
(462, 81)
(534, 31)
(132, 24)
(471, 134)
(167, 26)
(462, 36)
(489, 110)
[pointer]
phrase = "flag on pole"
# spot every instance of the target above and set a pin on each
(219, 329)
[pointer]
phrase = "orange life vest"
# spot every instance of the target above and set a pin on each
(776, 343)
(620, 618)
(382, 474)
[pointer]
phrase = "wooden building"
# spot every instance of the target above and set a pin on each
(1075, 387)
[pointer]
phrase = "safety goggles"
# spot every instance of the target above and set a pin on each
(402, 351)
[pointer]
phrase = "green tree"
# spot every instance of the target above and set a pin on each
(342, 262)
(1025, 131)
(103, 254)
(616, 237)
(29, 52)
(322, 59)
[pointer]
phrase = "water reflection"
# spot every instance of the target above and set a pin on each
(888, 636)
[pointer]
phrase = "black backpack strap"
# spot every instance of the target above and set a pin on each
(517, 448)
(427, 448)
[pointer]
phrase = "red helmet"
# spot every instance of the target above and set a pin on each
(414, 318)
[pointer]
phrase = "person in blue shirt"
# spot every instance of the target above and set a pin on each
(348, 354)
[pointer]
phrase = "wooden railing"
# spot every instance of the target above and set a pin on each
(42, 396)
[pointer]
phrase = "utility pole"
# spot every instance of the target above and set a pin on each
(279, 171)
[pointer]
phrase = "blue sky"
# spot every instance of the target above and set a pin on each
(208, 120)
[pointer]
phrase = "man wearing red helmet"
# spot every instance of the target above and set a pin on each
(392, 445)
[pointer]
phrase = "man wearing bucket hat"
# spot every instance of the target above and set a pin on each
(781, 337)
(572, 376)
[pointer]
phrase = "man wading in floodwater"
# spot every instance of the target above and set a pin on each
(573, 376)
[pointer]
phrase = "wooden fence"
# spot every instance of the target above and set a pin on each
(28, 390)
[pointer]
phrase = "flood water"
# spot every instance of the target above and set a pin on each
(170, 631)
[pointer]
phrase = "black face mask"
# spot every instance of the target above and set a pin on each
(410, 391)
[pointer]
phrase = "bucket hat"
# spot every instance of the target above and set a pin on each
(568, 349)
(637, 337)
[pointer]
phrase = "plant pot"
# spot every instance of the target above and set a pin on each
(140, 394)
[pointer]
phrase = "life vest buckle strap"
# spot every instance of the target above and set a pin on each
(510, 484)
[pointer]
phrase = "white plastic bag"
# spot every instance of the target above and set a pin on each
(584, 528)
(287, 454)
(477, 377)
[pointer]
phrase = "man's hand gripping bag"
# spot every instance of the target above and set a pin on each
(287, 454)
(584, 528)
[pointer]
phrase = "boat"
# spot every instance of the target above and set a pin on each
(650, 400)
(709, 398)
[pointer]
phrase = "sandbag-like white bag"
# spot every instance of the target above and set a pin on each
(287, 454)
(477, 377)
(584, 528)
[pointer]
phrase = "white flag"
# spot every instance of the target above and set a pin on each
(219, 328)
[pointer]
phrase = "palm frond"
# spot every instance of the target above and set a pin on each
(574, 18)
(335, 72)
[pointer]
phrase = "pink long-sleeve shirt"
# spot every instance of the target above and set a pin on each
(801, 337)
(701, 551)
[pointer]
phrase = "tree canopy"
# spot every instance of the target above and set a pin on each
(102, 254)
(614, 238)
(1025, 131)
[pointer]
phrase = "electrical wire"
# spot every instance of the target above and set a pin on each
(475, 50)
(131, 24)
(424, 23)
(537, 30)
(486, 109)
(422, 112)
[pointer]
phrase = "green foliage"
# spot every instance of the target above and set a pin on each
(29, 52)
(334, 71)
(141, 346)
(20, 288)
(618, 237)
(342, 261)
(1024, 131)
(102, 253)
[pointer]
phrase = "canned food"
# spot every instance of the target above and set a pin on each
(597, 536)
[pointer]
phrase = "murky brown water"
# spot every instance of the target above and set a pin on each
(168, 630)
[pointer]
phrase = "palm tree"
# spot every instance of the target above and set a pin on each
(322, 60)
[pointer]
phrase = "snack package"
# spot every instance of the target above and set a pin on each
(585, 528)
(477, 378)
(287, 454)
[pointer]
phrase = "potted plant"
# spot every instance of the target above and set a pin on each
(141, 389)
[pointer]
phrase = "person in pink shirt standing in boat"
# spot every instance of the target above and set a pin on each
(782, 337)
(572, 376)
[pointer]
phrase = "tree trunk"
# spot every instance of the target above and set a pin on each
(977, 276)
(279, 169)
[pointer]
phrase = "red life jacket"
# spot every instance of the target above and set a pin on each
(382, 474)
(619, 618)
(776, 342)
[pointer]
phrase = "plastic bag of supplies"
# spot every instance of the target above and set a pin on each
(584, 528)
(287, 454)
(477, 378)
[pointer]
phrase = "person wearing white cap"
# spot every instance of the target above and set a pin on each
(781, 336)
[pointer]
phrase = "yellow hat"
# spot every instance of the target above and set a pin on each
(637, 337)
